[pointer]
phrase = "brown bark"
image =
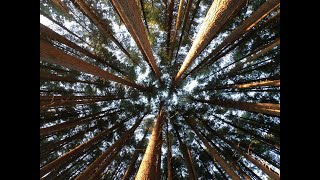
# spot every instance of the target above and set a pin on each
(214, 153)
(170, 18)
(147, 167)
(268, 142)
(135, 156)
(62, 26)
(56, 101)
(46, 32)
(144, 15)
(169, 154)
(52, 77)
(98, 163)
(186, 155)
(129, 12)
(76, 151)
(102, 26)
(194, 12)
(159, 153)
(74, 123)
(218, 14)
(53, 55)
(253, 57)
(270, 173)
(265, 108)
(185, 19)
(178, 22)
(247, 25)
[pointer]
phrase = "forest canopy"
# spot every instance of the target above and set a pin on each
(159, 89)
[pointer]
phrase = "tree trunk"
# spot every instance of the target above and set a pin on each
(62, 26)
(102, 26)
(55, 101)
(178, 22)
(253, 134)
(129, 12)
(264, 108)
(74, 123)
(169, 25)
(76, 151)
(185, 19)
(247, 25)
(186, 155)
(53, 55)
(52, 77)
(135, 156)
(194, 12)
(144, 15)
(46, 32)
(159, 153)
(97, 165)
(169, 154)
(214, 153)
(218, 14)
(147, 167)
(270, 173)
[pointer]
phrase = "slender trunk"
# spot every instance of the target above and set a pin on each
(76, 151)
(46, 32)
(73, 123)
(194, 12)
(247, 25)
(253, 57)
(252, 174)
(56, 56)
(98, 173)
(69, 101)
(218, 14)
(265, 108)
(62, 26)
(269, 81)
(135, 156)
(185, 19)
(52, 77)
(169, 154)
(144, 16)
(186, 155)
(98, 163)
(253, 134)
(270, 173)
(129, 12)
(178, 22)
(169, 25)
(102, 26)
(159, 153)
(214, 153)
(147, 167)
(61, 6)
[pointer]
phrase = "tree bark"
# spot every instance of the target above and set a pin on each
(76, 151)
(46, 32)
(147, 167)
(129, 12)
(218, 14)
(74, 123)
(270, 173)
(178, 22)
(247, 25)
(53, 55)
(135, 156)
(265, 108)
(98, 163)
(169, 154)
(186, 155)
(214, 153)
(102, 26)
